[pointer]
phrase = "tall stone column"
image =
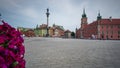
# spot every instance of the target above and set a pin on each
(47, 14)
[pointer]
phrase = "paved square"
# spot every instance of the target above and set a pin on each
(71, 53)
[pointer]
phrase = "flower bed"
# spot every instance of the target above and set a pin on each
(11, 47)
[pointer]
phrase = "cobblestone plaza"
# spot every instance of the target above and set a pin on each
(71, 53)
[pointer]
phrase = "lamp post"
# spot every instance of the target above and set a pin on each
(0, 17)
(47, 14)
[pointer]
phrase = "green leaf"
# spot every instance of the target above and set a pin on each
(15, 63)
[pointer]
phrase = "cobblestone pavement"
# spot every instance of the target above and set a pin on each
(72, 53)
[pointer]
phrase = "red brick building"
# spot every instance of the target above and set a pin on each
(30, 33)
(67, 34)
(58, 30)
(100, 29)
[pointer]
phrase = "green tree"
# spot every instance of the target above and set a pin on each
(72, 34)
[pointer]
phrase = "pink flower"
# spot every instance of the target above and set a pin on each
(15, 33)
(22, 50)
(0, 27)
(3, 66)
(2, 63)
(21, 64)
(6, 27)
(2, 51)
(11, 47)
(2, 60)
(2, 39)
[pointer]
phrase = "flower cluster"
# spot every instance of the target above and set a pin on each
(11, 47)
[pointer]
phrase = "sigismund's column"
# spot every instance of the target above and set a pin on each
(47, 14)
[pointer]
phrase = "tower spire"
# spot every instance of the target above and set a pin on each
(99, 17)
(99, 13)
(84, 14)
(84, 11)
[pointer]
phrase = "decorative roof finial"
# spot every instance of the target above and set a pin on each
(84, 11)
(99, 13)
(84, 14)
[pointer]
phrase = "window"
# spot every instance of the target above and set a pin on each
(119, 32)
(107, 36)
(118, 26)
(111, 32)
(106, 32)
(111, 36)
(102, 26)
(98, 32)
(107, 26)
(102, 32)
(102, 36)
(114, 26)
(111, 26)
(118, 36)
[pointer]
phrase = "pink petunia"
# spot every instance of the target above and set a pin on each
(21, 64)
(2, 40)
(2, 62)
(2, 51)
(11, 47)
(3, 66)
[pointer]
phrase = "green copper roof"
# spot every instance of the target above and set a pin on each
(99, 16)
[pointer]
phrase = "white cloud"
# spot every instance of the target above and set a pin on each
(30, 13)
(9, 4)
(62, 12)
(68, 14)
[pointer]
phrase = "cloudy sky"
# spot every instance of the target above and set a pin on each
(29, 13)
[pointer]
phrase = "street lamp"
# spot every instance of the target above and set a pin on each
(0, 17)
(47, 14)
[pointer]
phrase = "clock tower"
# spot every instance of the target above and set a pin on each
(84, 20)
